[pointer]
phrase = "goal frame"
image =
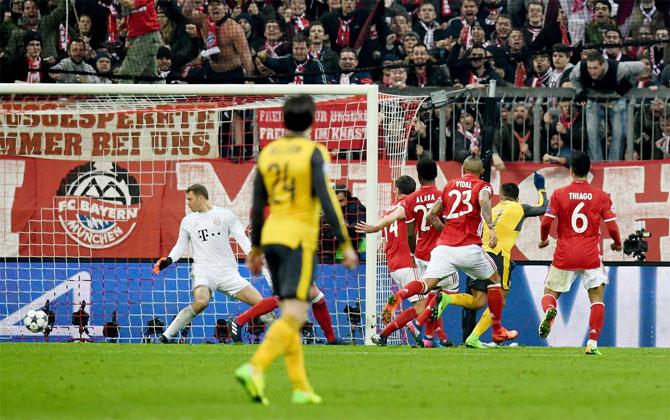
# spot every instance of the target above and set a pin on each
(371, 92)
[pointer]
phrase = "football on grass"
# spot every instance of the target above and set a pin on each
(36, 321)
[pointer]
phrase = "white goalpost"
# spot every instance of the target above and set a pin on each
(91, 190)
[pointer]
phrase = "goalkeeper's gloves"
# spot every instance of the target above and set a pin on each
(161, 264)
(538, 180)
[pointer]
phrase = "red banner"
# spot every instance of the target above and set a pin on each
(58, 130)
(339, 123)
(133, 209)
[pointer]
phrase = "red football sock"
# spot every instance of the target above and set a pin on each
(548, 301)
(400, 321)
(430, 329)
(322, 316)
(495, 305)
(439, 331)
(596, 320)
(261, 308)
(414, 287)
(421, 319)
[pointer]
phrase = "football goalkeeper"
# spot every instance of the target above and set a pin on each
(208, 229)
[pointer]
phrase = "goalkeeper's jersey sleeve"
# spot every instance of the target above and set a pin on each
(292, 179)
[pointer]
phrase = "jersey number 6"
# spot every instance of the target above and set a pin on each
(579, 218)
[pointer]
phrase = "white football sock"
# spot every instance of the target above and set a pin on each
(183, 318)
(592, 344)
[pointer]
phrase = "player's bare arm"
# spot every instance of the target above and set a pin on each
(485, 204)
(433, 216)
(398, 213)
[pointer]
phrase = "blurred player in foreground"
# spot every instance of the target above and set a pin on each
(579, 208)
(291, 177)
(209, 229)
(508, 217)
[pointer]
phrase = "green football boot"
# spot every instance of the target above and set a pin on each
(442, 300)
(473, 342)
(547, 322)
(253, 383)
(305, 397)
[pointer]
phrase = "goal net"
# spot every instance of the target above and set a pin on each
(92, 191)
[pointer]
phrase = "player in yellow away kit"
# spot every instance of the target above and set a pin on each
(508, 217)
(291, 178)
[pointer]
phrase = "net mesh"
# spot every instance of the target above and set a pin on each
(92, 191)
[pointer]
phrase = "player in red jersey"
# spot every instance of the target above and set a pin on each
(399, 260)
(414, 210)
(464, 203)
(578, 207)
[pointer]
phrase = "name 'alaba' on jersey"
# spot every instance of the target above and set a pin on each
(209, 233)
(417, 206)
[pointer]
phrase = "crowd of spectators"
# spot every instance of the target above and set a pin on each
(395, 43)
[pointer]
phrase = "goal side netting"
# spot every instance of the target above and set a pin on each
(92, 190)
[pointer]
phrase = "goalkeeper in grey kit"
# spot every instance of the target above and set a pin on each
(208, 229)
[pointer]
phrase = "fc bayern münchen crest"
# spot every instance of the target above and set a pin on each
(98, 204)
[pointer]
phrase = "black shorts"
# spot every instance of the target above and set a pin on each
(503, 265)
(292, 270)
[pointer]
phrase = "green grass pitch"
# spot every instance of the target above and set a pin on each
(180, 381)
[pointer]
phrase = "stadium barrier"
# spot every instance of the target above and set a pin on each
(644, 112)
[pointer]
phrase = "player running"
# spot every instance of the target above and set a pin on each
(208, 228)
(464, 203)
(291, 177)
(508, 217)
(414, 210)
(578, 207)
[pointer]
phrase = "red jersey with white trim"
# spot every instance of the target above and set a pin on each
(461, 212)
(579, 208)
(397, 250)
(417, 206)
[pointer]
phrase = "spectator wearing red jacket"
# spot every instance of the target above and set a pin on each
(141, 21)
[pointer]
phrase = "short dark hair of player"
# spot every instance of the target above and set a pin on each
(595, 56)
(198, 189)
(299, 113)
(426, 169)
(510, 190)
(405, 184)
(580, 164)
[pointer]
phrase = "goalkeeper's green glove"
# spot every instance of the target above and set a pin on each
(161, 264)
